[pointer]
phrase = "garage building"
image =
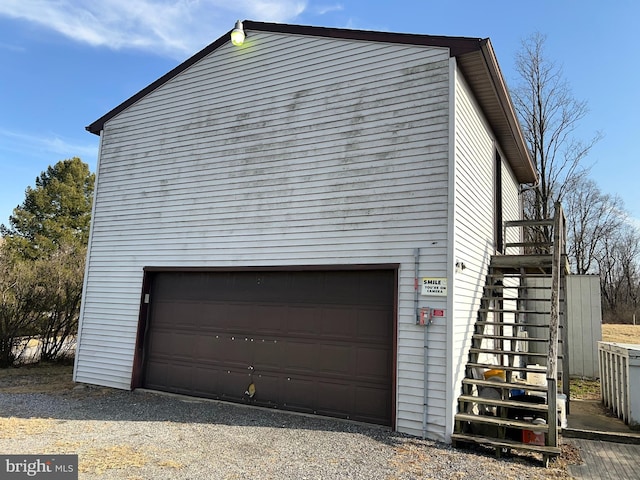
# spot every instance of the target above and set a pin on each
(273, 220)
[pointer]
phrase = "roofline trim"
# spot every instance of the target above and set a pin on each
(97, 126)
(505, 102)
(456, 45)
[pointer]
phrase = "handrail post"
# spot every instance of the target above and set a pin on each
(552, 359)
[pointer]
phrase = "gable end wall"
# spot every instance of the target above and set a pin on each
(290, 151)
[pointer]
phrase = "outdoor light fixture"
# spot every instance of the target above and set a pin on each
(237, 34)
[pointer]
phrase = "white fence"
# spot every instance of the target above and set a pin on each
(620, 380)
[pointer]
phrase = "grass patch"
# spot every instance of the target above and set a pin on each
(584, 389)
(37, 378)
(98, 460)
(612, 332)
(120, 457)
(22, 427)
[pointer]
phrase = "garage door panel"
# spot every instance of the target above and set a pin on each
(171, 345)
(374, 325)
(206, 380)
(182, 314)
(204, 348)
(300, 356)
(337, 359)
(269, 321)
(234, 383)
(373, 363)
(302, 320)
(319, 341)
(268, 353)
(337, 323)
(181, 373)
(156, 376)
(235, 350)
(336, 398)
(299, 394)
(268, 389)
(232, 317)
(370, 401)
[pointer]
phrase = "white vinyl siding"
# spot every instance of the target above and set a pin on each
(291, 151)
(473, 223)
(511, 201)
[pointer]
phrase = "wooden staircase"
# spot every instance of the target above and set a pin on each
(516, 338)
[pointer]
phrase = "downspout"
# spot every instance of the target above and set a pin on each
(426, 376)
(416, 286)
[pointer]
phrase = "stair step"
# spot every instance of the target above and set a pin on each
(514, 324)
(501, 422)
(528, 244)
(503, 385)
(480, 336)
(504, 403)
(514, 310)
(516, 299)
(513, 281)
(508, 352)
(529, 223)
(521, 385)
(522, 261)
(504, 443)
(490, 366)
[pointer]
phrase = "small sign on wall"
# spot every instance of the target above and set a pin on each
(436, 286)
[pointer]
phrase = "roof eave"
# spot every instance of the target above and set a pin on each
(499, 109)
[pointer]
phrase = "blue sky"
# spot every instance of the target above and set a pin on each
(67, 62)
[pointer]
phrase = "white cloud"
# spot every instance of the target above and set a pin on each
(47, 145)
(324, 9)
(167, 27)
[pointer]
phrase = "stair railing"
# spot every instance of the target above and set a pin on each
(557, 276)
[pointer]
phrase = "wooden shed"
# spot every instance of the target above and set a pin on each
(285, 213)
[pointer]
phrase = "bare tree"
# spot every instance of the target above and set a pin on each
(62, 276)
(21, 300)
(592, 218)
(549, 114)
(620, 275)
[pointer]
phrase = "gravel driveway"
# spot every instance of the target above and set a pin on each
(143, 435)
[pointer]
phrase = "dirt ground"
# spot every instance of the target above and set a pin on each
(39, 378)
(621, 333)
(133, 436)
(57, 379)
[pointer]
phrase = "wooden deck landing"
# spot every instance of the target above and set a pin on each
(605, 460)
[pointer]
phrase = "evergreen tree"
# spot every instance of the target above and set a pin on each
(57, 212)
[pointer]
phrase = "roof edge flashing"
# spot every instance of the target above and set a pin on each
(506, 104)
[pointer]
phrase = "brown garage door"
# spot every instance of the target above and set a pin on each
(318, 341)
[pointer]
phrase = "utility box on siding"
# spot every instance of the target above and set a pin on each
(584, 313)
